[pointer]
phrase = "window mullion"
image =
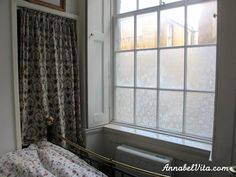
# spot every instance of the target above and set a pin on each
(135, 65)
(158, 67)
(185, 68)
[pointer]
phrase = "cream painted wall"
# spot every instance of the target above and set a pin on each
(72, 6)
(7, 120)
(7, 126)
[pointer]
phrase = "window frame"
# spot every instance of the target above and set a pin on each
(185, 47)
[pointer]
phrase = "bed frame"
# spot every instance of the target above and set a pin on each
(108, 166)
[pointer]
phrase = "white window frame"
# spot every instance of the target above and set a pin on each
(183, 3)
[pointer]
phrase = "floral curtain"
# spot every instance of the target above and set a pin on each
(48, 76)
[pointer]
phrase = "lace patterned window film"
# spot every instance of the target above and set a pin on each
(146, 107)
(147, 68)
(170, 110)
(165, 66)
(200, 114)
(201, 66)
(124, 105)
(125, 68)
(172, 68)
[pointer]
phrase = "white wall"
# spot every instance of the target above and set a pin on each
(72, 6)
(7, 126)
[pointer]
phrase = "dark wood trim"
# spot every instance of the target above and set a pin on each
(61, 7)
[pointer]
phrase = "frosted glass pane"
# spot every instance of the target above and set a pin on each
(126, 6)
(172, 27)
(124, 105)
(201, 23)
(169, 1)
(172, 68)
(125, 69)
(147, 30)
(170, 110)
(146, 107)
(201, 68)
(148, 3)
(125, 33)
(147, 68)
(200, 114)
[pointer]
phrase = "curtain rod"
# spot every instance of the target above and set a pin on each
(25, 4)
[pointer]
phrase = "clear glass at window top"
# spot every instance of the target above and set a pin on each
(147, 3)
(172, 27)
(201, 23)
(124, 6)
(147, 30)
(125, 34)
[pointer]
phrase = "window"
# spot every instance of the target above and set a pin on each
(165, 65)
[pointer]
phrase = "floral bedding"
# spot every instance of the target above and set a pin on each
(45, 159)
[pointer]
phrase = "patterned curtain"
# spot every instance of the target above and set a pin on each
(48, 76)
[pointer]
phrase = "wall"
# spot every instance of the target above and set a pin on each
(72, 6)
(224, 145)
(7, 126)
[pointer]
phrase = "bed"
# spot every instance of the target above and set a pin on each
(45, 159)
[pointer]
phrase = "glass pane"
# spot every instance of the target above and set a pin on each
(200, 114)
(172, 27)
(126, 6)
(172, 68)
(147, 68)
(124, 105)
(146, 107)
(125, 33)
(201, 23)
(201, 68)
(169, 1)
(125, 69)
(148, 3)
(147, 30)
(170, 110)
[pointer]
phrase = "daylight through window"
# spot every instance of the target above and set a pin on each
(165, 65)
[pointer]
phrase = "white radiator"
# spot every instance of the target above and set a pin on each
(142, 159)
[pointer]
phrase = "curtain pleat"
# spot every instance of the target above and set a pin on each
(48, 76)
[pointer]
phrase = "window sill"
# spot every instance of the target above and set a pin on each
(179, 147)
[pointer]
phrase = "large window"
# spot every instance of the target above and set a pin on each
(165, 65)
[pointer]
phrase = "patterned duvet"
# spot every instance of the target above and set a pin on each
(45, 159)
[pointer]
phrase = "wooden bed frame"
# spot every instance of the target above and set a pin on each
(108, 166)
